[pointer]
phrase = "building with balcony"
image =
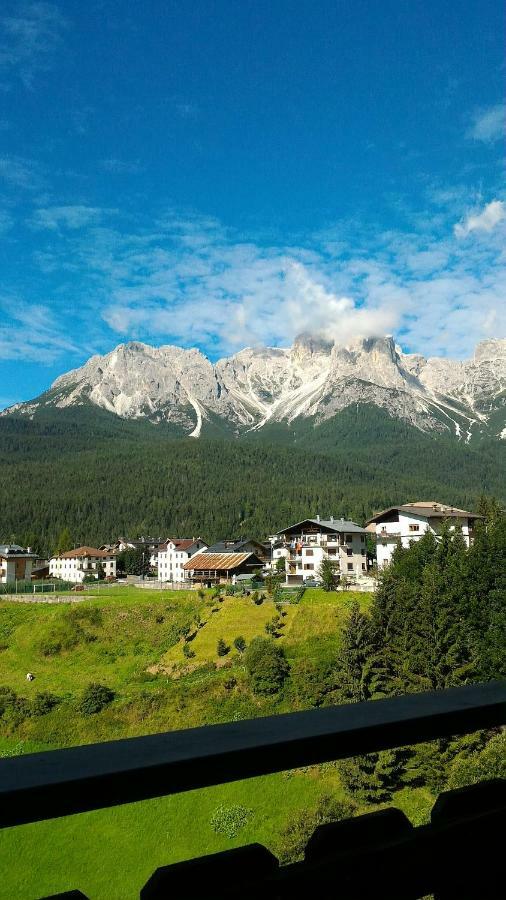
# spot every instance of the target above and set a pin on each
(401, 525)
(208, 569)
(305, 544)
(76, 565)
(16, 563)
(172, 556)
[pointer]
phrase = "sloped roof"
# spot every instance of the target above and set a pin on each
(15, 550)
(336, 525)
(223, 561)
(83, 551)
(427, 509)
(234, 545)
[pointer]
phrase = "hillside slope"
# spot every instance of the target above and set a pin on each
(102, 476)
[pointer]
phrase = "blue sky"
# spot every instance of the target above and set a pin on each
(222, 173)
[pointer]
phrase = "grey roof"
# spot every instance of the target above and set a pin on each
(234, 545)
(15, 550)
(337, 525)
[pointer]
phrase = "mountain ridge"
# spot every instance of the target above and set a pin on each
(314, 379)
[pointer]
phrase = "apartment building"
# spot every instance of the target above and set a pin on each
(16, 563)
(172, 556)
(410, 521)
(305, 544)
(75, 565)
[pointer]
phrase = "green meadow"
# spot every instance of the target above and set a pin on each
(132, 640)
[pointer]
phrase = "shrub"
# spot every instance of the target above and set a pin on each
(94, 698)
(257, 598)
(222, 648)
(266, 666)
(229, 820)
(44, 702)
(230, 683)
(240, 644)
(14, 707)
(295, 835)
(188, 652)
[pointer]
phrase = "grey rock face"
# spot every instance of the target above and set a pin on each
(314, 378)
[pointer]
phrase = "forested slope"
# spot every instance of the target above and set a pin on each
(102, 476)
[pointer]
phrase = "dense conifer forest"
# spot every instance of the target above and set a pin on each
(101, 476)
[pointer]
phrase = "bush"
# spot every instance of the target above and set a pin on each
(44, 702)
(95, 697)
(266, 666)
(188, 653)
(295, 835)
(257, 598)
(222, 648)
(484, 766)
(229, 820)
(240, 644)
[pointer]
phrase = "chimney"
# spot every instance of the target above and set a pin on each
(318, 517)
(332, 518)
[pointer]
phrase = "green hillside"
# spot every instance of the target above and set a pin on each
(117, 639)
(102, 476)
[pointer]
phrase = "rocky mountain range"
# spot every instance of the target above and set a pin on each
(312, 380)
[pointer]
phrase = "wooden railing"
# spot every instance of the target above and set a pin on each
(381, 855)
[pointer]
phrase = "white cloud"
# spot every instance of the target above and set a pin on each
(37, 335)
(72, 217)
(120, 166)
(486, 220)
(188, 280)
(489, 124)
(29, 39)
(21, 173)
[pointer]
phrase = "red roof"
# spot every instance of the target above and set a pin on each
(84, 551)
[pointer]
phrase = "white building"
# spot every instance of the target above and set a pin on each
(75, 565)
(174, 554)
(304, 545)
(16, 563)
(409, 522)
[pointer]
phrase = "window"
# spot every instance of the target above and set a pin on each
(350, 567)
(332, 551)
(414, 528)
(349, 538)
(309, 552)
(362, 551)
(362, 539)
(363, 567)
(349, 551)
(309, 565)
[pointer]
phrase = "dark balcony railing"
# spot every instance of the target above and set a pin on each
(381, 855)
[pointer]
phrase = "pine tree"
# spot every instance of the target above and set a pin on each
(64, 542)
(354, 653)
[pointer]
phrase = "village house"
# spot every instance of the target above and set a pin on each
(75, 565)
(243, 545)
(305, 544)
(207, 569)
(172, 556)
(149, 545)
(409, 522)
(16, 563)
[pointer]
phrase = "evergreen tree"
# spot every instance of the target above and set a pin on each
(354, 654)
(64, 542)
(327, 574)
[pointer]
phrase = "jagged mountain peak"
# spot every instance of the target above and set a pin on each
(314, 379)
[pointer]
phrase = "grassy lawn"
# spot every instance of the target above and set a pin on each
(127, 638)
(110, 854)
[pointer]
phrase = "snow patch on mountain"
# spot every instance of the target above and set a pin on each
(313, 379)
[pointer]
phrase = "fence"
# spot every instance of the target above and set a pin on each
(381, 855)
